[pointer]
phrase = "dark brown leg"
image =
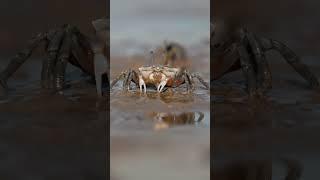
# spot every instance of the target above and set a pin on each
(121, 76)
(247, 68)
(83, 52)
(294, 61)
(63, 59)
(49, 63)
(189, 81)
(127, 81)
(205, 84)
(19, 59)
(186, 80)
(264, 81)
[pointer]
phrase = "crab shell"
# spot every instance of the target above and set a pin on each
(154, 75)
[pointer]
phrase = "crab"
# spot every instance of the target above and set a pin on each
(234, 48)
(63, 45)
(159, 77)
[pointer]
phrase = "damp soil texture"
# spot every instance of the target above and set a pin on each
(284, 124)
(48, 136)
(159, 135)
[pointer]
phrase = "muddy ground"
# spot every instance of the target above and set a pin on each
(47, 136)
(284, 124)
(159, 136)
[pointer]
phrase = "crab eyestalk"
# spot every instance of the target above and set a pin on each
(162, 85)
(142, 85)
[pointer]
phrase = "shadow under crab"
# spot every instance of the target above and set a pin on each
(159, 77)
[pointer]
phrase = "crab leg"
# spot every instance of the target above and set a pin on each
(205, 84)
(295, 62)
(20, 58)
(48, 65)
(61, 65)
(190, 79)
(247, 68)
(264, 80)
(127, 80)
(186, 80)
(142, 84)
(121, 76)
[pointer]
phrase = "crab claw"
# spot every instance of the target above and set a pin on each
(142, 84)
(162, 85)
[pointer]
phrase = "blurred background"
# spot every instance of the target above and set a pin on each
(20, 20)
(143, 24)
(294, 22)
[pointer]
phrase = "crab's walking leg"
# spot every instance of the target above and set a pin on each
(264, 80)
(292, 59)
(247, 68)
(49, 63)
(19, 59)
(142, 84)
(186, 80)
(189, 81)
(82, 50)
(126, 81)
(126, 85)
(63, 59)
(205, 84)
(121, 76)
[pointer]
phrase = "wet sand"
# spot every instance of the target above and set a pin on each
(47, 136)
(154, 133)
(284, 124)
(159, 136)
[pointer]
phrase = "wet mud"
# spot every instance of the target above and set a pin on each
(159, 136)
(50, 136)
(283, 124)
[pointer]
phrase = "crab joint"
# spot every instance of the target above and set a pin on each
(142, 84)
(162, 85)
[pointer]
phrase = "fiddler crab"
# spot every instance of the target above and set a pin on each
(159, 76)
